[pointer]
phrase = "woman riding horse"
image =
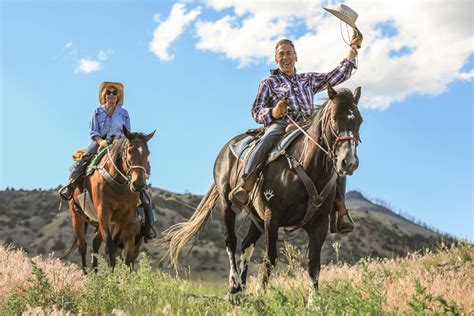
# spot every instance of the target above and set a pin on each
(105, 126)
(285, 89)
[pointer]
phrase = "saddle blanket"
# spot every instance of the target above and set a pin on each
(242, 148)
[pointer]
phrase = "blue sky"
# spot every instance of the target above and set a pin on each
(201, 78)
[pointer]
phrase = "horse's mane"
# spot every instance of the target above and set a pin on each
(117, 147)
(323, 110)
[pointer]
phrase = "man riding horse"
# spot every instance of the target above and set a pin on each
(105, 126)
(286, 96)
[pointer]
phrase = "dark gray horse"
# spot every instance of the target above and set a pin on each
(281, 199)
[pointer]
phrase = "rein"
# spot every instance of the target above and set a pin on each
(330, 152)
(125, 176)
(316, 199)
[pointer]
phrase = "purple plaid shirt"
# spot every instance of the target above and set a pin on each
(299, 90)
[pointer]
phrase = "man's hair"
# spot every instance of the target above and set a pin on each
(284, 41)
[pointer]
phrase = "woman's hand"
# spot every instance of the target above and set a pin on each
(102, 143)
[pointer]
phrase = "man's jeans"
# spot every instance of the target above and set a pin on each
(258, 155)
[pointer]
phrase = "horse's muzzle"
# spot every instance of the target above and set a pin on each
(349, 165)
(137, 187)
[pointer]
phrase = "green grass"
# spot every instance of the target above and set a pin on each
(150, 292)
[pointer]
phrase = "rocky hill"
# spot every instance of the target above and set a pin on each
(32, 220)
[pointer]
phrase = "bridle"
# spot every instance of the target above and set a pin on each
(338, 138)
(130, 167)
(330, 151)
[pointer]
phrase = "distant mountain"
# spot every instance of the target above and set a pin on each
(32, 220)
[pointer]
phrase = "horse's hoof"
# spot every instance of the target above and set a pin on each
(234, 288)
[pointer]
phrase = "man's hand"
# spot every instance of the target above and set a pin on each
(280, 109)
(102, 143)
(356, 39)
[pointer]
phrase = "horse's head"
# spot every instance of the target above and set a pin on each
(341, 129)
(136, 158)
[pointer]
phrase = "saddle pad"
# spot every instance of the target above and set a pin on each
(95, 161)
(87, 206)
(242, 148)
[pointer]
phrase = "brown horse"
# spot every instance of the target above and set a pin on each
(283, 197)
(115, 191)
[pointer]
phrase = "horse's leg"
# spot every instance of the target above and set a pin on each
(136, 251)
(317, 235)
(230, 238)
(248, 246)
(129, 250)
(104, 229)
(96, 243)
(271, 237)
(79, 227)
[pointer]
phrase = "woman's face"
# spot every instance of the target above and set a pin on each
(111, 95)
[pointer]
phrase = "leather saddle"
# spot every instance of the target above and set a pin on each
(244, 147)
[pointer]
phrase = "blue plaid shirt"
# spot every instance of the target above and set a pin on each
(105, 126)
(299, 89)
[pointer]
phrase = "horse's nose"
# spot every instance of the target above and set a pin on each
(138, 187)
(350, 164)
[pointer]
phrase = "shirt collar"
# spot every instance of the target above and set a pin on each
(117, 108)
(277, 71)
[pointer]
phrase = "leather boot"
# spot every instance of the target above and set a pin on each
(240, 194)
(345, 224)
(148, 231)
(67, 191)
(341, 221)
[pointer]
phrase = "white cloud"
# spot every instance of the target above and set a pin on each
(88, 66)
(170, 29)
(104, 55)
(84, 65)
(438, 34)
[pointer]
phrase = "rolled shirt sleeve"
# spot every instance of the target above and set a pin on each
(262, 107)
(341, 73)
(127, 121)
(94, 126)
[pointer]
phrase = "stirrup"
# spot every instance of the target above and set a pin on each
(350, 225)
(333, 228)
(152, 234)
(66, 192)
(239, 196)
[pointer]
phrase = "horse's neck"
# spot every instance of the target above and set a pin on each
(313, 159)
(115, 165)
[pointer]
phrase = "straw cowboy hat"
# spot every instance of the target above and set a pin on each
(344, 13)
(116, 85)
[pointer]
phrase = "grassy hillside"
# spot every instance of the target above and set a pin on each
(439, 282)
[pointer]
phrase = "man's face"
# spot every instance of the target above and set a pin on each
(285, 57)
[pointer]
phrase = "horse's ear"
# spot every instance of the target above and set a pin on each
(149, 136)
(357, 95)
(126, 132)
(331, 92)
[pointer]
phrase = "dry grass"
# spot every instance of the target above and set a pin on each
(445, 280)
(447, 273)
(16, 271)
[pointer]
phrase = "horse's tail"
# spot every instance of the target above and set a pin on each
(178, 235)
(71, 248)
